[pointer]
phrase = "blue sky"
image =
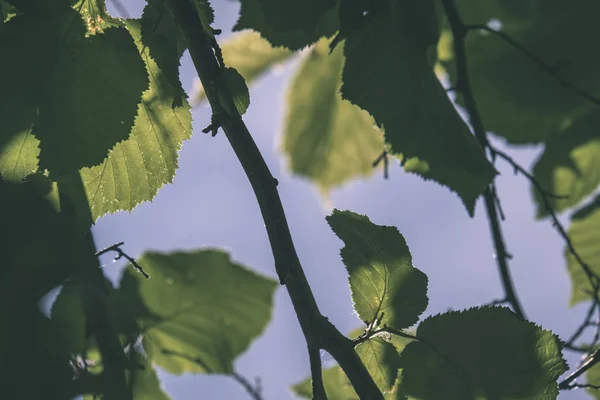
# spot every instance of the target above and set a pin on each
(211, 204)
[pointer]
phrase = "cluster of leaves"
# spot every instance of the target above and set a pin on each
(449, 354)
(531, 67)
(92, 115)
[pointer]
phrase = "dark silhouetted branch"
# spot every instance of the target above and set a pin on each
(317, 329)
(463, 86)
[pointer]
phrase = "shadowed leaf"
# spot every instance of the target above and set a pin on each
(482, 353)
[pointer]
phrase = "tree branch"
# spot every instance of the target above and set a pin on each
(543, 66)
(317, 330)
(593, 278)
(463, 86)
(592, 360)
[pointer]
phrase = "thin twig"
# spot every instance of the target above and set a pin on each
(463, 86)
(592, 360)
(583, 386)
(386, 162)
(536, 60)
(318, 330)
(121, 254)
(592, 277)
(254, 391)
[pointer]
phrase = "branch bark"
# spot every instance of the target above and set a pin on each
(317, 330)
(463, 86)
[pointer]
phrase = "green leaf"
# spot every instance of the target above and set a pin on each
(303, 15)
(584, 233)
(165, 43)
(326, 138)
(136, 168)
(381, 360)
(27, 42)
(593, 378)
(252, 16)
(382, 278)
(251, 55)
(570, 165)
(19, 156)
(197, 313)
(482, 353)
(90, 100)
(34, 365)
(518, 99)
(41, 6)
(337, 386)
(69, 318)
(387, 73)
(143, 381)
(237, 89)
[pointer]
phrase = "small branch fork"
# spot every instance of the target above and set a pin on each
(463, 86)
(121, 254)
(318, 331)
(459, 31)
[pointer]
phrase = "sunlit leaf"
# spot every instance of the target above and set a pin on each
(252, 16)
(251, 55)
(327, 139)
(387, 73)
(517, 98)
(584, 233)
(381, 360)
(197, 313)
(138, 167)
(382, 278)
(593, 378)
(143, 380)
(570, 165)
(482, 353)
(337, 385)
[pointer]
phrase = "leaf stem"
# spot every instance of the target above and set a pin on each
(463, 86)
(317, 329)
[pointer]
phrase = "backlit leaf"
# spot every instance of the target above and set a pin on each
(197, 313)
(482, 353)
(387, 73)
(251, 55)
(584, 233)
(570, 165)
(382, 278)
(337, 386)
(381, 360)
(137, 167)
(326, 138)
